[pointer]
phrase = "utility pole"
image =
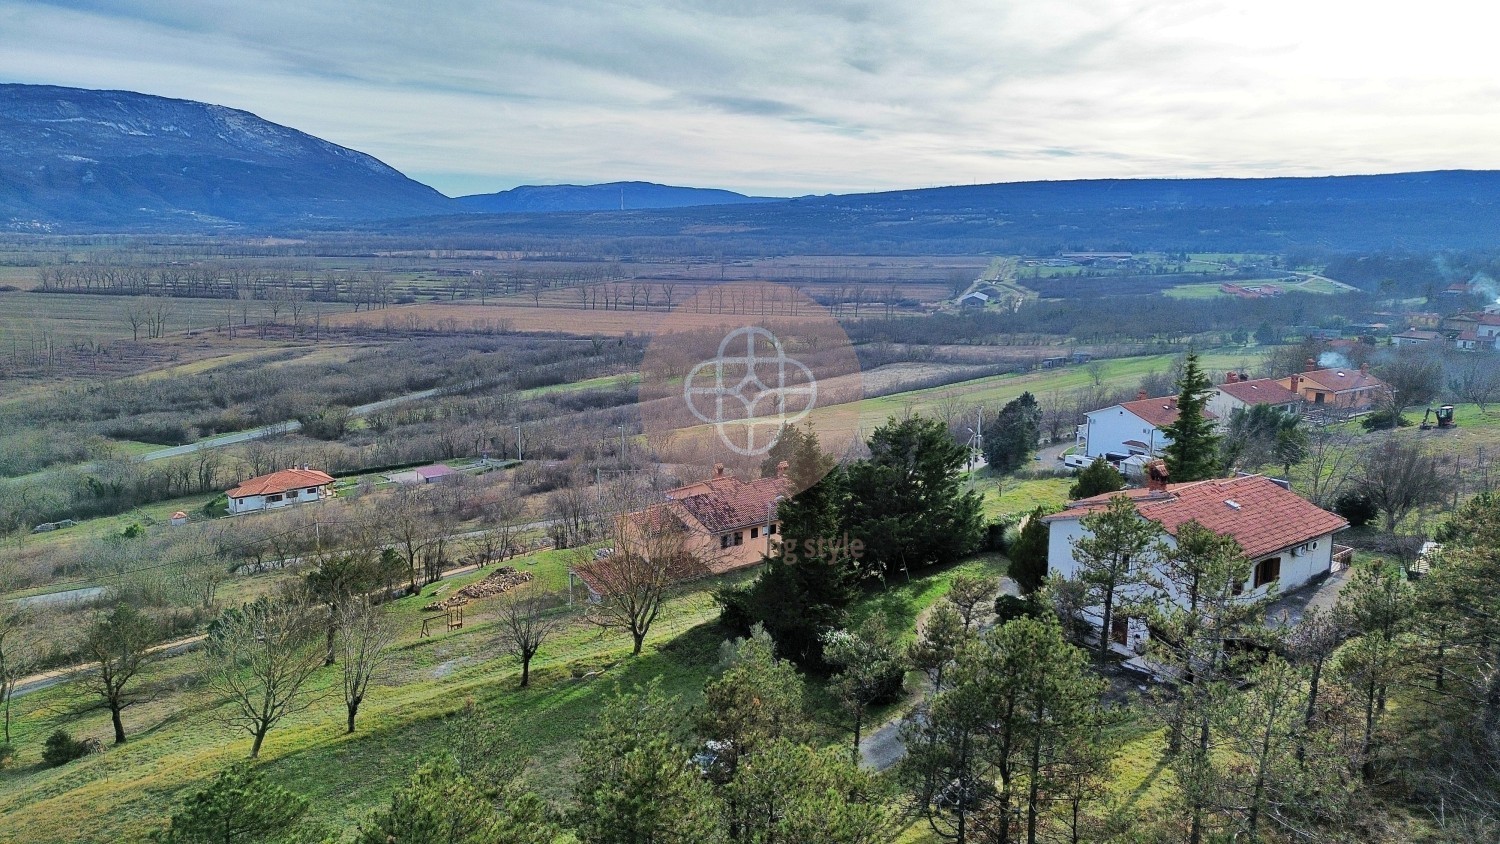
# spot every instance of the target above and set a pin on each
(622, 446)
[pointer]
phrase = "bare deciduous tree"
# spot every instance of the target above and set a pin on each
(120, 642)
(363, 641)
(1399, 475)
(525, 625)
(630, 585)
(259, 657)
(19, 655)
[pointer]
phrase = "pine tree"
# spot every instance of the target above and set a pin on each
(1011, 437)
(1097, 478)
(1193, 453)
(1110, 556)
(634, 781)
(440, 805)
(240, 805)
(1028, 554)
(907, 503)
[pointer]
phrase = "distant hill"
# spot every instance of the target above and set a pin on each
(73, 158)
(612, 196)
(1453, 209)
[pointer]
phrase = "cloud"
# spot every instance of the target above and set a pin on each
(791, 97)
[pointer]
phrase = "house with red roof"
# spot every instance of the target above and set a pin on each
(280, 489)
(1288, 539)
(1345, 389)
(718, 525)
(1129, 429)
(1241, 393)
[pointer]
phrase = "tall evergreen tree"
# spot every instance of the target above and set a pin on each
(239, 805)
(1193, 453)
(1011, 437)
(810, 575)
(1028, 554)
(635, 784)
(907, 503)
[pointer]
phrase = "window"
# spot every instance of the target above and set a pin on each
(724, 541)
(772, 528)
(739, 537)
(312, 490)
(754, 532)
(271, 499)
(1267, 570)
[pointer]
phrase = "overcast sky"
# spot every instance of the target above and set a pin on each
(787, 98)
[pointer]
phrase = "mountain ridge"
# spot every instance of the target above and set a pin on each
(607, 196)
(74, 156)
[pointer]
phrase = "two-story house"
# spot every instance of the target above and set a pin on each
(1347, 390)
(1129, 429)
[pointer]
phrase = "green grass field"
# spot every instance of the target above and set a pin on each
(178, 739)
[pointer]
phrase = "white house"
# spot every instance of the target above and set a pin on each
(1132, 428)
(1237, 393)
(280, 489)
(1288, 539)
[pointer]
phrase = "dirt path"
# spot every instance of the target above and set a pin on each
(882, 747)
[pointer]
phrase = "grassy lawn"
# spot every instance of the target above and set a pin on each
(1005, 496)
(178, 738)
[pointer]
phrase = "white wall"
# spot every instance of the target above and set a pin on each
(1109, 428)
(1296, 569)
(252, 503)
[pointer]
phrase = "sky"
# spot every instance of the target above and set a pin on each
(785, 98)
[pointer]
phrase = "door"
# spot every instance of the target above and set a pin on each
(1119, 630)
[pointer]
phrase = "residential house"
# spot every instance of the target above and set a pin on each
(1129, 429)
(722, 524)
(1416, 337)
(1241, 393)
(1288, 539)
(280, 489)
(1347, 390)
(1424, 319)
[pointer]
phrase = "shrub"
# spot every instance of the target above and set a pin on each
(1011, 607)
(217, 507)
(1096, 479)
(135, 531)
(1383, 420)
(7, 753)
(62, 748)
(1357, 508)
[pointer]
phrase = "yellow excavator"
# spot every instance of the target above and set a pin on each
(1441, 418)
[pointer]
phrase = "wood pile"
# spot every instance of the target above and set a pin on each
(497, 582)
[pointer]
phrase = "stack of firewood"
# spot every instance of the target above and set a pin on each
(497, 582)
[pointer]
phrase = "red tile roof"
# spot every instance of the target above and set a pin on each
(724, 503)
(1261, 515)
(1340, 380)
(1260, 391)
(1158, 412)
(282, 481)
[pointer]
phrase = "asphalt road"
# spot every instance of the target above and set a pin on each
(286, 427)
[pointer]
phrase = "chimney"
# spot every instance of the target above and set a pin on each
(781, 469)
(1364, 368)
(1233, 378)
(1172, 402)
(1157, 476)
(1297, 385)
(1311, 365)
(718, 470)
(1141, 395)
